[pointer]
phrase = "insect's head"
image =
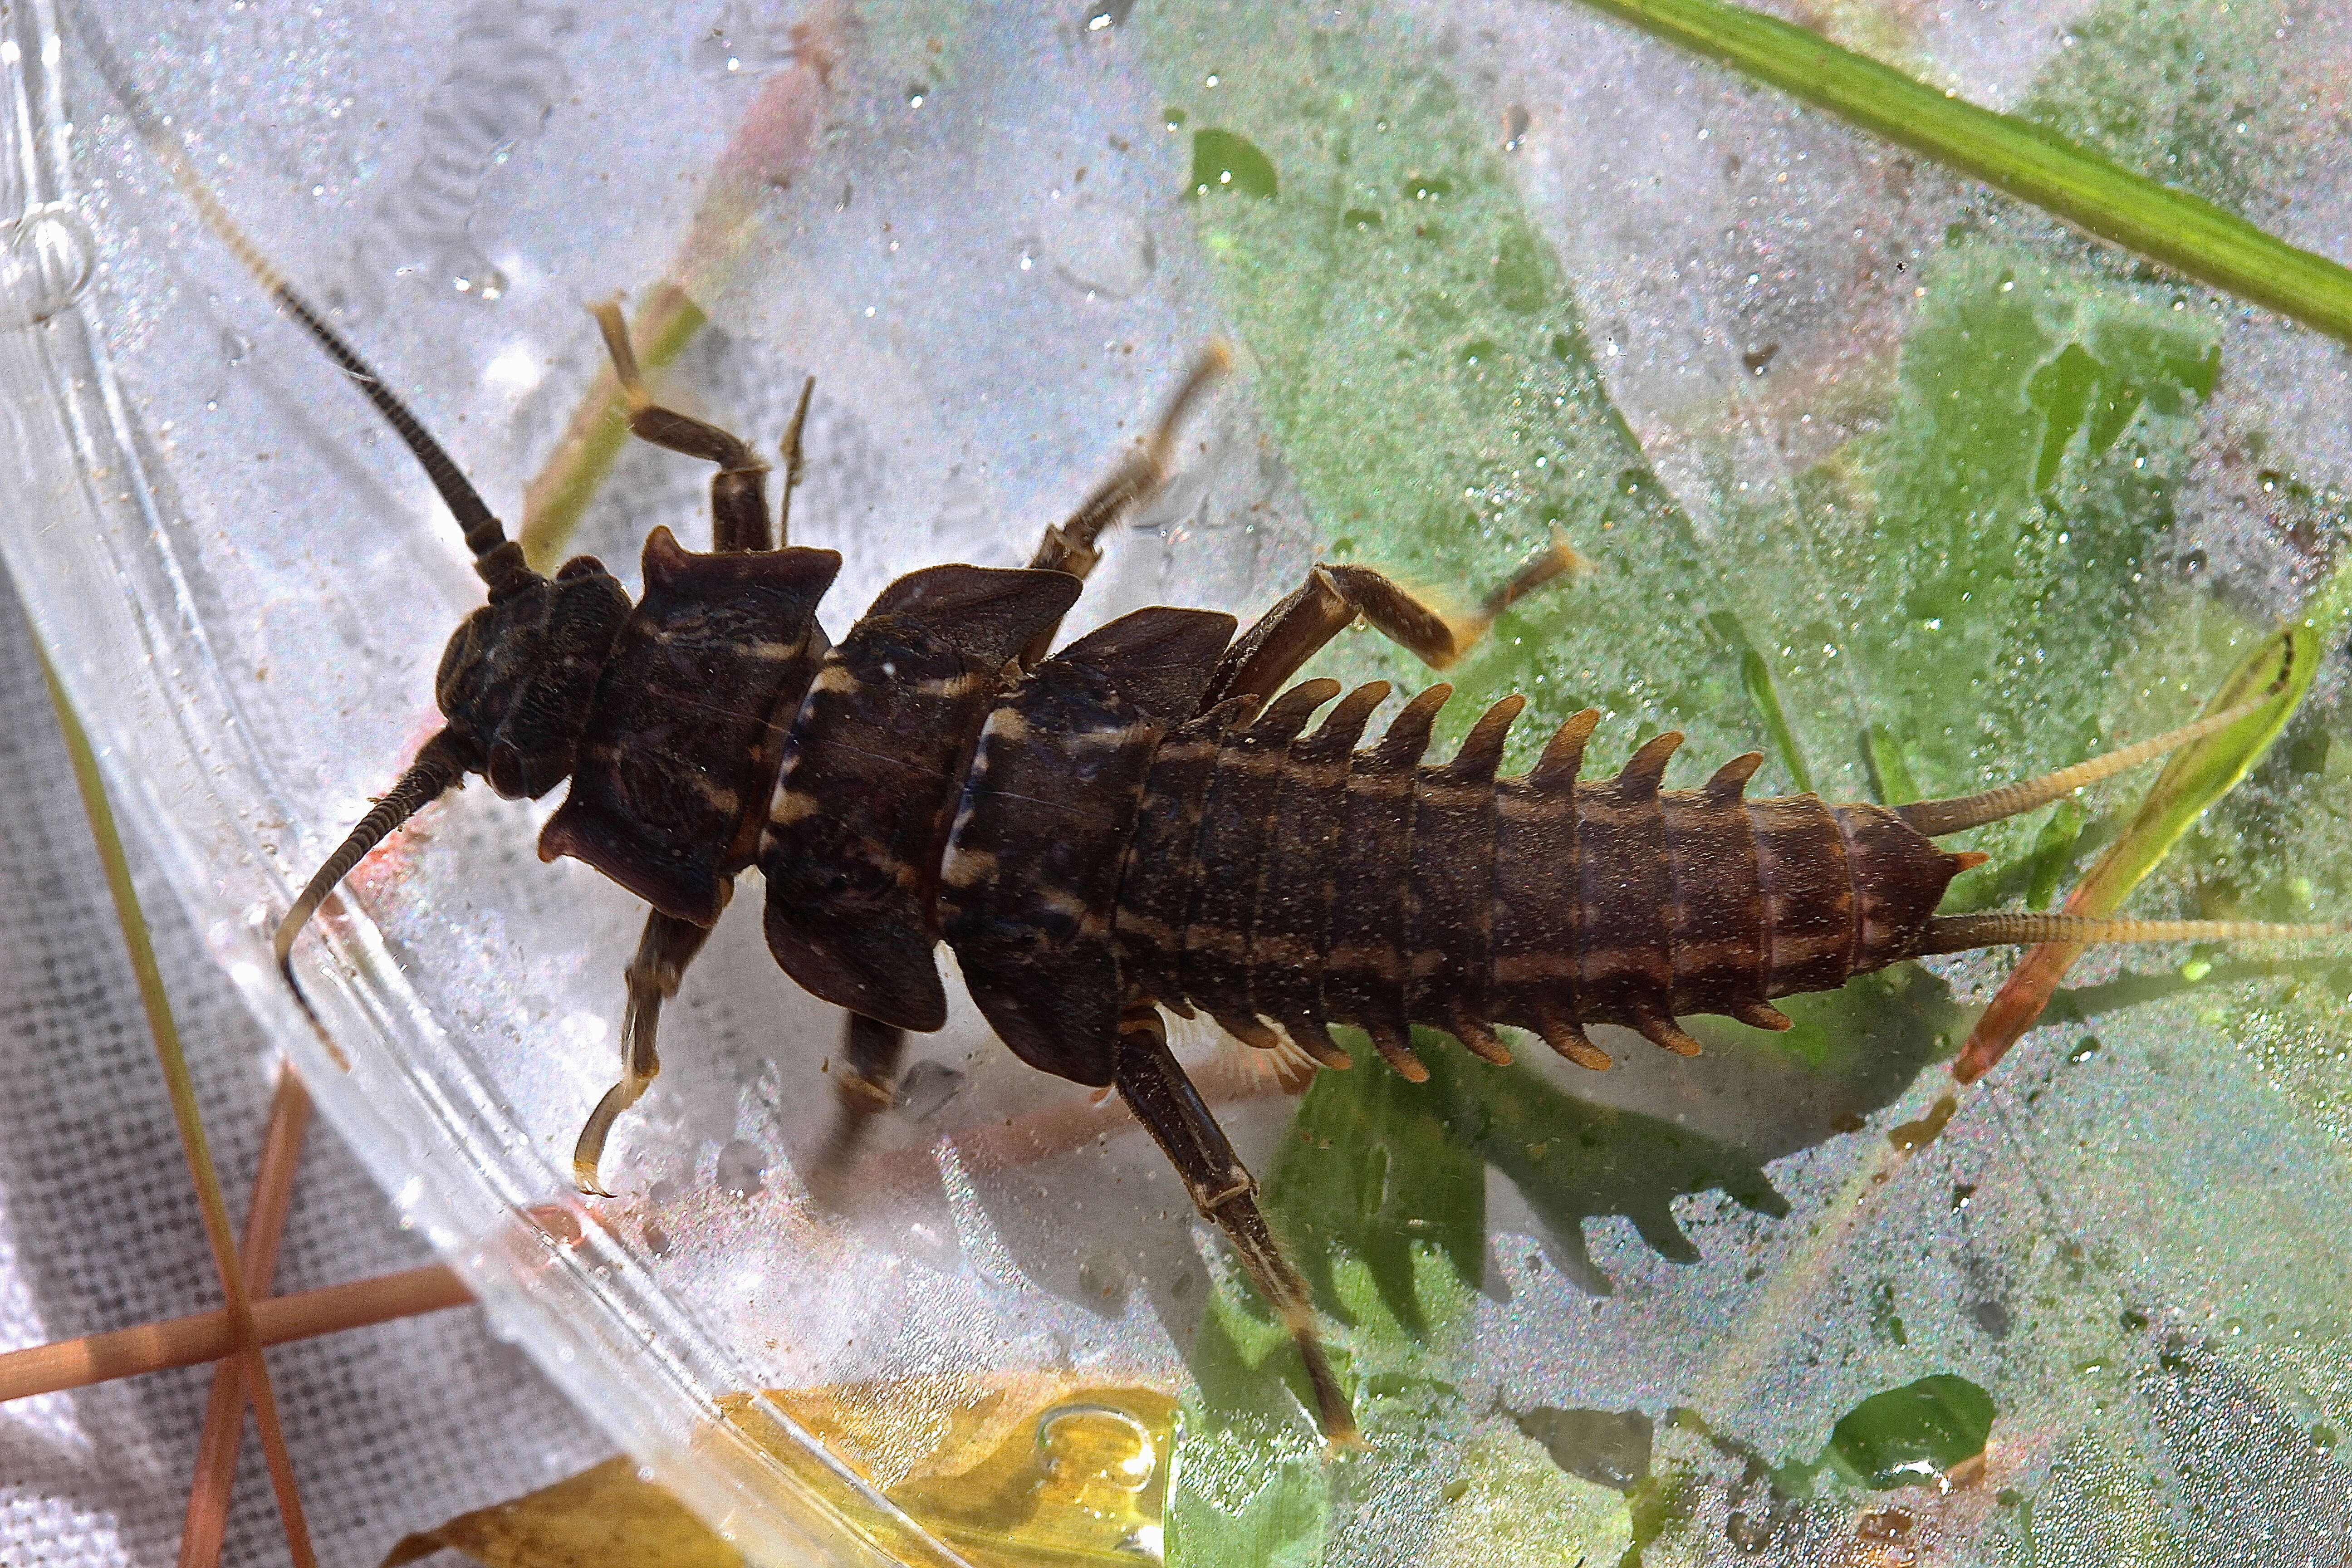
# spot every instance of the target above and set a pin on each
(520, 674)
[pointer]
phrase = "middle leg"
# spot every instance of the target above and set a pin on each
(864, 1085)
(1069, 546)
(870, 1050)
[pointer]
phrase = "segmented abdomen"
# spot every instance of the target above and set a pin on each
(1302, 880)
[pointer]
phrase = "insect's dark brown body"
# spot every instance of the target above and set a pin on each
(1139, 820)
(1328, 883)
(1084, 835)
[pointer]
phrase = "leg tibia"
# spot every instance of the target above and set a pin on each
(1165, 1101)
(864, 1085)
(668, 946)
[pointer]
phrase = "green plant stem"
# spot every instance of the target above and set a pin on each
(192, 1142)
(2186, 232)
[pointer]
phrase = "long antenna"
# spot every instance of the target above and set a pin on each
(437, 766)
(495, 558)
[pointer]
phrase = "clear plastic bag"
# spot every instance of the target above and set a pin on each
(1598, 288)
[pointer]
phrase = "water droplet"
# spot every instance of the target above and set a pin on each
(915, 95)
(46, 260)
(742, 1168)
(714, 55)
(1104, 1277)
(1102, 15)
(741, 43)
(235, 345)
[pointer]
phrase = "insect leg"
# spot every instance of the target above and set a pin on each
(1069, 546)
(1335, 595)
(865, 1082)
(1164, 1100)
(668, 946)
(739, 493)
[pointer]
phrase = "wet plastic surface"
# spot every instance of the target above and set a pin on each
(1894, 480)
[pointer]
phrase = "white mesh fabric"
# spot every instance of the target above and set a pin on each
(392, 1428)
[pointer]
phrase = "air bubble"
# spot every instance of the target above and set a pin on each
(47, 257)
(485, 283)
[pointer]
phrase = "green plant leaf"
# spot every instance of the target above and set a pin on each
(1911, 1434)
(2029, 161)
(1370, 1172)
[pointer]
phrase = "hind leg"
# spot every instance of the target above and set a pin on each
(1163, 1098)
(1334, 596)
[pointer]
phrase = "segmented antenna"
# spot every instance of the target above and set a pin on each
(498, 561)
(438, 765)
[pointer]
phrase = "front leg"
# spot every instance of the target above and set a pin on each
(738, 491)
(668, 946)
